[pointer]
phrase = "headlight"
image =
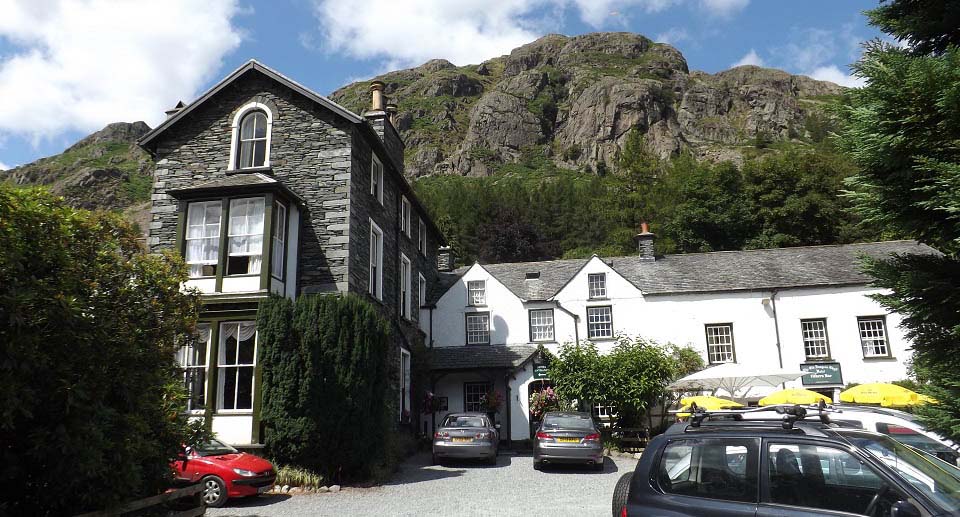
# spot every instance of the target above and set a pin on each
(245, 473)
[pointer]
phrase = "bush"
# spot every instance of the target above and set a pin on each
(327, 376)
(90, 401)
(293, 476)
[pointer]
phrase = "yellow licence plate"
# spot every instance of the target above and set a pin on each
(463, 439)
(568, 440)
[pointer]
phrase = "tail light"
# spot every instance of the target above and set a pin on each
(544, 436)
(438, 435)
(623, 511)
(483, 435)
(595, 437)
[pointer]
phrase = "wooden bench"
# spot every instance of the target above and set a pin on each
(633, 438)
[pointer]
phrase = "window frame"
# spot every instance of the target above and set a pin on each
(466, 327)
(406, 285)
(205, 368)
(601, 286)
(278, 236)
(406, 216)
(263, 235)
(886, 337)
(733, 346)
(222, 366)
(234, 159)
(375, 267)
(485, 385)
(405, 397)
(421, 292)
(805, 340)
(422, 237)
(590, 331)
(747, 442)
(553, 326)
(483, 290)
(186, 239)
(376, 178)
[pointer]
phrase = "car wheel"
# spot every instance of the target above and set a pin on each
(621, 493)
(492, 460)
(537, 465)
(214, 491)
(598, 466)
(435, 460)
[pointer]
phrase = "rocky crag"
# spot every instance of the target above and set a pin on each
(574, 100)
(105, 170)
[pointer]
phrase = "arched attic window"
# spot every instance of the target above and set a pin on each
(253, 140)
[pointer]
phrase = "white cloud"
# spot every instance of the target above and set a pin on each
(750, 58)
(673, 35)
(78, 65)
(463, 32)
(4, 166)
(724, 7)
(833, 74)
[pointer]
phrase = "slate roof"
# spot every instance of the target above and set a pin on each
(473, 357)
(804, 266)
(234, 182)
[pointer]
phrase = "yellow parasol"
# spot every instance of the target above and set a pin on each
(794, 396)
(707, 402)
(886, 395)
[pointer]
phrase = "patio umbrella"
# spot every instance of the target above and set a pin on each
(732, 377)
(708, 402)
(793, 396)
(886, 395)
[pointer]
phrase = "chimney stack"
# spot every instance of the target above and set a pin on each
(645, 242)
(376, 96)
(392, 114)
(445, 259)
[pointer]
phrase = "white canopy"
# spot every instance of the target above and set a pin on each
(733, 377)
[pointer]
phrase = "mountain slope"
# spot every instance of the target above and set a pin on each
(574, 100)
(105, 170)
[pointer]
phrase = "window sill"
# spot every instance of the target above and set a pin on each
(595, 339)
(478, 344)
(249, 170)
(475, 306)
(244, 275)
(820, 360)
(234, 412)
(880, 358)
(598, 299)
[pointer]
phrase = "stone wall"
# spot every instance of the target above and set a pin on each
(310, 153)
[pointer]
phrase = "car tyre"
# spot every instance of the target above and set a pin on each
(621, 493)
(435, 460)
(598, 466)
(537, 465)
(492, 460)
(214, 491)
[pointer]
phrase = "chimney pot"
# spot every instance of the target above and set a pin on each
(391, 110)
(445, 259)
(376, 96)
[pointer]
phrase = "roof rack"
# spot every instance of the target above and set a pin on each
(792, 413)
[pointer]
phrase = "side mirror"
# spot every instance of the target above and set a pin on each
(497, 426)
(904, 509)
(188, 451)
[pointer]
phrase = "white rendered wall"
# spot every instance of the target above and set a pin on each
(241, 284)
(233, 429)
(508, 318)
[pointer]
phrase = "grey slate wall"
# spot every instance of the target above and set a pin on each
(310, 153)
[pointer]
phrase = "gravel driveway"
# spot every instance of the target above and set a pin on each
(511, 487)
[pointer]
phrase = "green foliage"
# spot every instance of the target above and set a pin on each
(294, 476)
(902, 130)
(928, 26)
(326, 405)
(90, 397)
(632, 377)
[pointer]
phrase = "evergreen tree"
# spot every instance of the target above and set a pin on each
(902, 129)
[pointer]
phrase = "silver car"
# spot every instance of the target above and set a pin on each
(466, 435)
(568, 437)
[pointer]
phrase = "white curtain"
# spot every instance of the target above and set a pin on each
(246, 231)
(241, 331)
(203, 235)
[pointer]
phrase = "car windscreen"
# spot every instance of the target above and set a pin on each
(215, 448)
(464, 421)
(911, 437)
(567, 422)
(940, 483)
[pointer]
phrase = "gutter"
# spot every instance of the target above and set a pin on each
(576, 321)
(776, 328)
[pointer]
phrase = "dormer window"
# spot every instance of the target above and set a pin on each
(250, 148)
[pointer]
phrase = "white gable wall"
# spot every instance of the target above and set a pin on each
(508, 319)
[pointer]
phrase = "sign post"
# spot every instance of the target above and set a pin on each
(822, 374)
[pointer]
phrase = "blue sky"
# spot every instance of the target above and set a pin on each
(68, 68)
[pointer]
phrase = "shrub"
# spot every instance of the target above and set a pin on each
(327, 376)
(294, 476)
(90, 401)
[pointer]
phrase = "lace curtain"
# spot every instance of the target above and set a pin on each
(246, 231)
(203, 236)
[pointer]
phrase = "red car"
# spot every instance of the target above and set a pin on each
(224, 472)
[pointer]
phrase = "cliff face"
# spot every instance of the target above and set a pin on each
(574, 100)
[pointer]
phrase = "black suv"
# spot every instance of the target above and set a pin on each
(725, 464)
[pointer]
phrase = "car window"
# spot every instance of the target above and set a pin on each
(824, 478)
(713, 468)
(911, 437)
(214, 447)
(567, 422)
(464, 421)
